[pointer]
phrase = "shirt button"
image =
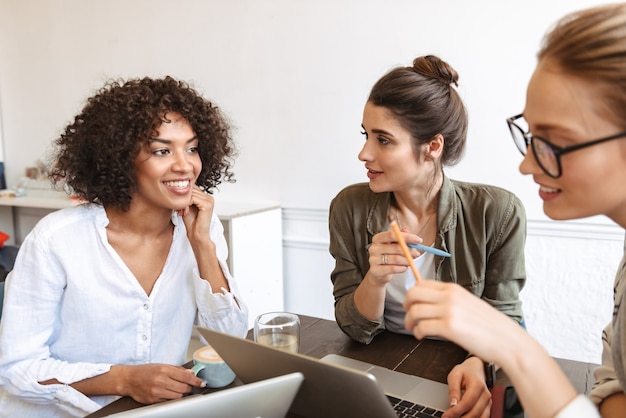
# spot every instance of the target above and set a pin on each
(146, 306)
(144, 337)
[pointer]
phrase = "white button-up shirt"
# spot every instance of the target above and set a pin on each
(73, 309)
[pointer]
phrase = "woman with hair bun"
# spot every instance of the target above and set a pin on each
(415, 124)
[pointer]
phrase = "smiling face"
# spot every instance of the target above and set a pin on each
(388, 153)
(566, 110)
(168, 166)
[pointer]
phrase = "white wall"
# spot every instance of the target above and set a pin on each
(293, 76)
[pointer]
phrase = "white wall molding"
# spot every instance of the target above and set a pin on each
(308, 228)
(305, 228)
(566, 229)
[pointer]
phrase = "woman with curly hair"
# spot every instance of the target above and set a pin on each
(103, 296)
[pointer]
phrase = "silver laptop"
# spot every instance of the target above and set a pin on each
(335, 386)
(270, 398)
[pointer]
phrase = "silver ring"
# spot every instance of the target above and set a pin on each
(384, 258)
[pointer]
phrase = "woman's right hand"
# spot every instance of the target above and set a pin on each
(448, 310)
(386, 257)
(145, 383)
(151, 383)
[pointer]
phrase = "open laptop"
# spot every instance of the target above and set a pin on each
(333, 387)
(268, 398)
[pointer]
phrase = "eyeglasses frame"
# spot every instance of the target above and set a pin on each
(557, 150)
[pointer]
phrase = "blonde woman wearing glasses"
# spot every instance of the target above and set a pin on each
(574, 141)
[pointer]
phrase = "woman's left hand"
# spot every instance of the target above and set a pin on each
(468, 391)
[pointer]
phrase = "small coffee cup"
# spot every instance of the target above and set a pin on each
(209, 366)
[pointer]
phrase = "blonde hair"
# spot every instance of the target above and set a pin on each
(591, 44)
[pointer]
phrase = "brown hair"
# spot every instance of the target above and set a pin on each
(424, 102)
(591, 44)
(95, 154)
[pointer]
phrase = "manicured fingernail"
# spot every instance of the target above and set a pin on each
(453, 402)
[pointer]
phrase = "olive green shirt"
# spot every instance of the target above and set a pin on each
(483, 227)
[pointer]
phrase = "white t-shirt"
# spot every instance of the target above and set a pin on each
(397, 288)
(73, 308)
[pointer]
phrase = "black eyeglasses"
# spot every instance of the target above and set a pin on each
(548, 155)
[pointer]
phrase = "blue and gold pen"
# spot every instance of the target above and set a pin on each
(428, 249)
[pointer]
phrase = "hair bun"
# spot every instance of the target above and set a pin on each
(434, 67)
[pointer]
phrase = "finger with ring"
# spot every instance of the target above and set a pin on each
(384, 258)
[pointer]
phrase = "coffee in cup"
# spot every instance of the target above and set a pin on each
(209, 366)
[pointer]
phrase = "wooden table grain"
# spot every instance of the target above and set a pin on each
(432, 359)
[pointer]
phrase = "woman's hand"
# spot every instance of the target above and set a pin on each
(386, 257)
(197, 216)
(145, 383)
(150, 383)
(469, 395)
(447, 310)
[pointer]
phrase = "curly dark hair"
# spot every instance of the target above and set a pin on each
(95, 154)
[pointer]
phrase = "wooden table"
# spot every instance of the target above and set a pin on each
(432, 359)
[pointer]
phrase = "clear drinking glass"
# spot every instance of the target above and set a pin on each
(278, 329)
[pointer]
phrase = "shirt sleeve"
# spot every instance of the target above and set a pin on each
(224, 312)
(505, 273)
(28, 323)
(606, 380)
(579, 407)
(347, 275)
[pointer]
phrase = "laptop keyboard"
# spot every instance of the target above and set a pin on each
(405, 408)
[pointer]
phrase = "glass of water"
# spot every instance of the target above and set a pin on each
(278, 329)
